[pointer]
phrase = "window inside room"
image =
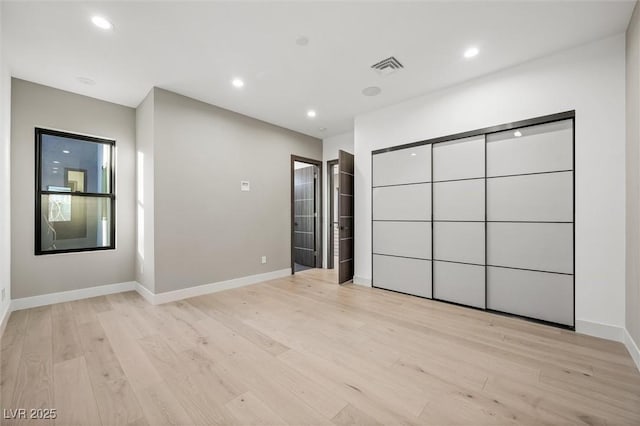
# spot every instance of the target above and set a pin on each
(75, 201)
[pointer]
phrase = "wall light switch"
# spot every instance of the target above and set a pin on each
(264, 259)
(245, 185)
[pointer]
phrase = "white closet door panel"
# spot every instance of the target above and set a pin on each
(411, 239)
(546, 197)
(409, 165)
(540, 295)
(459, 159)
(405, 202)
(539, 246)
(459, 241)
(455, 282)
(543, 148)
(411, 276)
(459, 200)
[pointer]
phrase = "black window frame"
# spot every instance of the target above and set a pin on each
(39, 192)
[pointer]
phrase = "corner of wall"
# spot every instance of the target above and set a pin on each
(145, 262)
(5, 188)
(632, 164)
(633, 348)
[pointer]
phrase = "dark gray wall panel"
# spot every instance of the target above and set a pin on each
(543, 198)
(539, 246)
(410, 276)
(459, 241)
(406, 202)
(455, 282)
(459, 200)
(459, 159)
(543, 148)
(403, 166)
(540, 295)
(410, 239)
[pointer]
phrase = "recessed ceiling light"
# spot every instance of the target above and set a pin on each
(302, 41)
(101, 22)
(86, 80)
(54, 168)
(56, 162)
(66, 151)
(237, 82)
(413, 154)
(471, 52)
(311, 113)
(517, 133)
(371, 91)
(55, 171)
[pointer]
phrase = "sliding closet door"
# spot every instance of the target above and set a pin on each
(459, 221)
(401, 198)
(530, 227)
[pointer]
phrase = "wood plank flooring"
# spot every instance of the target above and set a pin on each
(303, 350)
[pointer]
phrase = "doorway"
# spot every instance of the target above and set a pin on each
(306, 220)
(340, 235)
(333, 239)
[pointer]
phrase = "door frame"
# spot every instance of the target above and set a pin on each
(318, 202)
(330, 217)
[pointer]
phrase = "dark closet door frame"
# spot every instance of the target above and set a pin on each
(318, 202)
(331, 205)
(486, 131)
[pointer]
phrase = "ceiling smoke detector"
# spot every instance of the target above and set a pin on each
(387, 66)
(371, 91)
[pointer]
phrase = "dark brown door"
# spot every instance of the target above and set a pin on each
(304, 225)
(345, 216)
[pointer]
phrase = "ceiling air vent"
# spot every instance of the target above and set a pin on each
(387, 66)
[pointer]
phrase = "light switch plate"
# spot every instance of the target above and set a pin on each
(245, 185)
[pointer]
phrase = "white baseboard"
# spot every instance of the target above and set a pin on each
(145, 293)
(604, 331)
(172, 296)
(68, 296)
(632, 347)
(365, 282)
(4, 317)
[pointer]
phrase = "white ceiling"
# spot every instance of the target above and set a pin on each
(196, 49)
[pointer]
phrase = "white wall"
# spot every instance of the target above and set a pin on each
(5, 176)
(330, 148)
(590, 80)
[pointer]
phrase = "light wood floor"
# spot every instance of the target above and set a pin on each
(303, 350)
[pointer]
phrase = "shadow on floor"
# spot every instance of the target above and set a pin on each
(298, 267)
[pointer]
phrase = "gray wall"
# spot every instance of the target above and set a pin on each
(206, 229)
(5, 189)
(145, 265)
(36, 105)
(633, 178)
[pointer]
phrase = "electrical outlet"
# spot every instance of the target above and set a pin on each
(2, 297)
(264, 259)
